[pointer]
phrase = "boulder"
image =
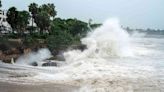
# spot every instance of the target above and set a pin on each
(34, 64)
(49, 63)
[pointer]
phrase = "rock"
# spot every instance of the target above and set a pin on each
(49, 63)
(79, 47)
(4, 47)
(1, 53)
(34, 64)
(60, 57)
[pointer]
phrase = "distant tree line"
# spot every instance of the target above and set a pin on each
(147, 31)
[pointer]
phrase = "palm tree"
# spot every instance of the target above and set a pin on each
(23, 17)
(52, 10)
(33, 8)
(49, 9)
(12, 17)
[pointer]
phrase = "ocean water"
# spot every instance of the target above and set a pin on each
(114, 61)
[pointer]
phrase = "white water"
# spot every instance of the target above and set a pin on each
(38, 56)
(106, 41)
(113, 62)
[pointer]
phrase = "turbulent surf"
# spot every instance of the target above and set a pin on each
(114, 61)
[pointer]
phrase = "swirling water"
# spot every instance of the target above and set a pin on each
(113, 62)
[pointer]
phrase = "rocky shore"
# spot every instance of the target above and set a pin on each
(13, 48)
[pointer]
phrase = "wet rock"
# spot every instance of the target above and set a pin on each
(49, 63)
(34, 64)
(60, 58)
(79, 47)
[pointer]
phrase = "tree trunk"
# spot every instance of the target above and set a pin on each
(32, 26)
(41, 31)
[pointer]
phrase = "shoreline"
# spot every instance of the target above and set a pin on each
(47, 87)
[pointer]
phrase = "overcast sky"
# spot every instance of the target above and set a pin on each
(132, 13)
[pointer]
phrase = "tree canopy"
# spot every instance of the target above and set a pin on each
(42, 15)
(56, 32)
(18, 20)
(23, 21)
(12, 17)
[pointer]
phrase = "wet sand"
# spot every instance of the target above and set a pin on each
(12, 87)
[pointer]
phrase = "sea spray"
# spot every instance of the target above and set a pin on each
(95, 66)
(32, 57)
(109, 40)
(136, 34)
(91, 71)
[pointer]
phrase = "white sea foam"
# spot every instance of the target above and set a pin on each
(107, 65)
(137, 34)
(106, 41)
(97, 66)
(38, 56)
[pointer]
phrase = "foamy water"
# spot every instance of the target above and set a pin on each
(113, 62)
(106, 41)
(38, 56)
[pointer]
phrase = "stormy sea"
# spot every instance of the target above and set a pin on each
(114, 61)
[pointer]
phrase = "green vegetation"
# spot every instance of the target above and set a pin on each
(12, 17)
(39, 25)
(42, 15)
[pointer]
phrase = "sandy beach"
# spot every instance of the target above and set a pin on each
(12, 87)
